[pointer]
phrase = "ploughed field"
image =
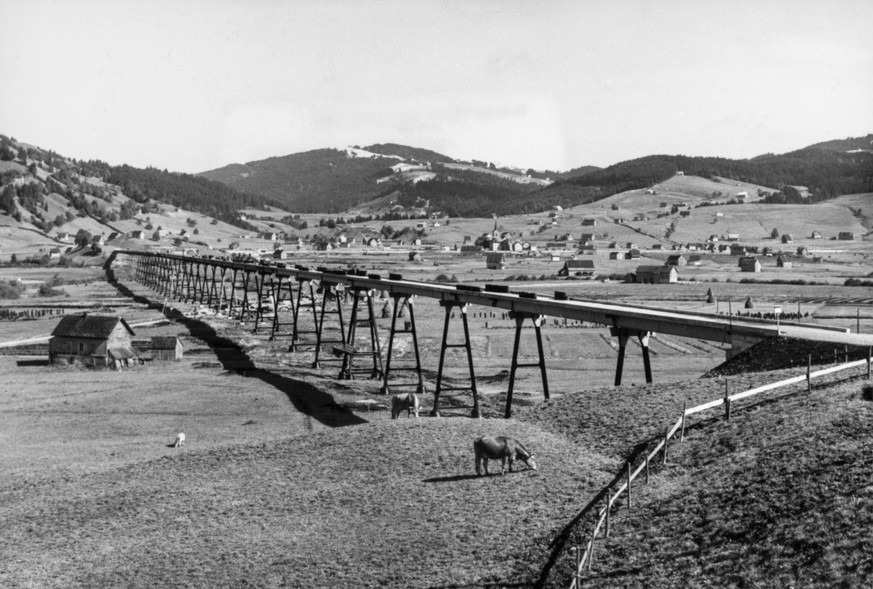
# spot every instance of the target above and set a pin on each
(292, 478)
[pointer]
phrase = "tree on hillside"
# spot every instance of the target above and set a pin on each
(775, 233)
(7, 199)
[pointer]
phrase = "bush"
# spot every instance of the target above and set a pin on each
(867, 392)
(10, 289)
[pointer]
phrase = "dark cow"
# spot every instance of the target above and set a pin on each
(503, 449)
(401, 402)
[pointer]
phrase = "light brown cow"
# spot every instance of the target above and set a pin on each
(404, 401)
(503, 449)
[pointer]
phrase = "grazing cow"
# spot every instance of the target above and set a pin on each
(401, 402)
(180, 441)
(503, 449)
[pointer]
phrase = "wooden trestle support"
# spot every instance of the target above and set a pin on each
(623, 336)
(350, 350)
(519, 325)
(462, 309)
(403, 302)
(296, 306)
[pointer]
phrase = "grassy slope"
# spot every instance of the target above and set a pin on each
(778, 497)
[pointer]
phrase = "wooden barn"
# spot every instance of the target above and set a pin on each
(92, 340)
(677, 260)
(656, 274)
(577, 268)
(749, 264)
(782, 262)
(166, 348)
(495, 261)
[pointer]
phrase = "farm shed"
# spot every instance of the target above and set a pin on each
(783, 263)
(802, 251)
(589, 222)
(787, 238)
(495, 261)
(577, 268)
(93, 340)
(676, 260)
(166, 348)
(656, 274)
(846, 236)
(414, 257)
(749, 264)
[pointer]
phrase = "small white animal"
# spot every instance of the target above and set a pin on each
(180, 441)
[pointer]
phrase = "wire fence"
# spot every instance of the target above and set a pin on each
(584, 553)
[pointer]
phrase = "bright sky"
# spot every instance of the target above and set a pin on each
(193, 85)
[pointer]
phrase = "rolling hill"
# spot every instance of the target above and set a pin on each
(334, 181)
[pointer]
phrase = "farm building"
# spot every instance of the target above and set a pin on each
(93, 340)
(633, 254)
(787, 238)
(589, 222)
(585, 237)
(471, 249)
(414, 256)
(802, 251)
(588, 249)
(280, 254)
(577, 268)
(166, 348)
(749, 264)
(616, 255)
(656, 274)
(676, 260)
(846, 236)
(782, 262)
(495, 261)
(816, 234)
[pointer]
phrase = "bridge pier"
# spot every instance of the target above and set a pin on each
(399, 302)
(623, 336)
(330, 292)
(541, 364)
(462, 308)
(350, 351)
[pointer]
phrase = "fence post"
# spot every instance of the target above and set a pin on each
(666, 439)
(608, 503)
(647, 469)
(684, 408)
(628, 487)
(727, 402)
(809, 373)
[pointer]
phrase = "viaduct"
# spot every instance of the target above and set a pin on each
(312, 314)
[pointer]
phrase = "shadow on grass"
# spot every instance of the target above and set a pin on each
(306, 398)
(451, 479)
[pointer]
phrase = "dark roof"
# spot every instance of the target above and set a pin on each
(579, 263)
(89, 326)
(654, 269)
(164, 342)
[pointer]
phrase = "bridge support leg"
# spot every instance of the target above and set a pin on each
(331, 293)
(541, 364)
(622, 346)
(647, 364)
(349, 350)
(623, 336)
(399, 302)
(462, 308)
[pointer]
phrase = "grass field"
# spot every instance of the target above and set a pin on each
(291, 477)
